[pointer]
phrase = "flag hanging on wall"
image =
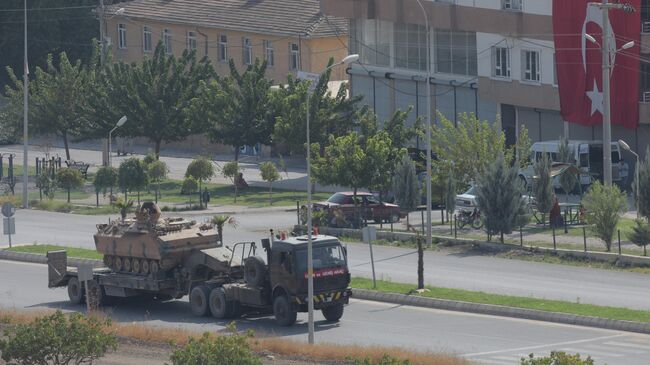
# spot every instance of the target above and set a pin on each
(579, 62)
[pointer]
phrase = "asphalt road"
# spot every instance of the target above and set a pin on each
(463, 271)
(486, 339)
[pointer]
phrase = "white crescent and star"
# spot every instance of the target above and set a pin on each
(594, 15)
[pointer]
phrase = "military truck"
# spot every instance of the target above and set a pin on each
(224, 281)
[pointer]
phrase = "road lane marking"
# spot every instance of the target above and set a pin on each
(627, 344)
(592, 353)
(544, 346)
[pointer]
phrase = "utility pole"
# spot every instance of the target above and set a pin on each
(102, 43)
(25, 116)
(605, 6)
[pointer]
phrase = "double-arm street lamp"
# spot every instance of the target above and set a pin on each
(310, 264)
(119, 124)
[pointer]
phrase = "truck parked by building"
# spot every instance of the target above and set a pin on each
(171, 258)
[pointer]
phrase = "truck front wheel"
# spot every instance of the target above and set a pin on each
(199, 300)
(333, 313)
(76, 292)
(284, 312)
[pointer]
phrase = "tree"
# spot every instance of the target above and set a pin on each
(236, 110)
(58, 339)
(123, 206)
(329, 114)
(470, 147)
(105, 178)
(450, 194)
(132, 176)
(644, 182)
(231, 171)
(543, 186)
(157, 171)
(69, 178)
(500, 200)
(568, 179)
(58, 94)
(640, 234)
(604, 205)
(270, 174)
(201, 170)
(156, 94)
(220, 221)
(557, 358)
(46, 183)
(405, 185)
(189, 187)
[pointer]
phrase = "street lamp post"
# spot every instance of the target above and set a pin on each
(428, 139)
(605, 6)
(25, 116)
(310, 263)
(626, 147)
(119, 124)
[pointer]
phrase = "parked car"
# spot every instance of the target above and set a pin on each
(340, 209)
(468, 201)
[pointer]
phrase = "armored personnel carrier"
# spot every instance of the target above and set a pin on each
(148, 244)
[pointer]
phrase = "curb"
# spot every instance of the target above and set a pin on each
(42, 259)
(497, 310)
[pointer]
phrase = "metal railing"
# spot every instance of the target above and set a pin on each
(645, 96)
(645, 27)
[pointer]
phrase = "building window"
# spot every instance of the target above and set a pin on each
(223, 48)
(511, 4)
(294, 56)
(530, 61)
(376, 41)
(146, 39)
(121, 36)
(456, 52)
(501, 62)
(191, 41)
(167, 40)
(247, 51)
(410, 46)
(269, 54)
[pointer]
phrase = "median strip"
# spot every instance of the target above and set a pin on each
(622, 319)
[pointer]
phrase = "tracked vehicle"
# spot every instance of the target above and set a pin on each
(170, 258)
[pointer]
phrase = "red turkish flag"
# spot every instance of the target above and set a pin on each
(579, 62)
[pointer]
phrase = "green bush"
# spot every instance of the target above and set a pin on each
(557, 358)
(58, 339)
(233, 349)
(604, 205)
(385, 360)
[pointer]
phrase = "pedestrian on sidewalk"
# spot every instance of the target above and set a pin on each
(624, 171)
(205, 197)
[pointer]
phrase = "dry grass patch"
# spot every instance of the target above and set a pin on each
(279, 346)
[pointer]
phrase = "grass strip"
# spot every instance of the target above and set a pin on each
(559, 306)
(82, 253)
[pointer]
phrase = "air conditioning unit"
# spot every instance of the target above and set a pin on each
(511, 4)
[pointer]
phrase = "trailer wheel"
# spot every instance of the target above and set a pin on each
(95, 294)
(284, 312)
(199, 300)
(333, 313)
(76, 291)
(254, 271)
(220, 307)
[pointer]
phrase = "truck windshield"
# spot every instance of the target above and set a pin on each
(324, 258)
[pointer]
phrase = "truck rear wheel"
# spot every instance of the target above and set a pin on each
(333, 313)
(220, 307)
(199, 300)
(284, 312)
(76, 291)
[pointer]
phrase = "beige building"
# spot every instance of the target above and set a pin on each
(291, 35)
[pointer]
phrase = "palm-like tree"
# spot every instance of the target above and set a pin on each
(123, 206)
(220, 220)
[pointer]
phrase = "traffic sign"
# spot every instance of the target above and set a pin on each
(8, 210)
(313, 77)
(9, 225)
(85, 273)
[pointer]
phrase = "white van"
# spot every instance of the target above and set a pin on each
(588, 156)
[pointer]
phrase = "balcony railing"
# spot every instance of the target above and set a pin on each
(645, 96)
(645, 27)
